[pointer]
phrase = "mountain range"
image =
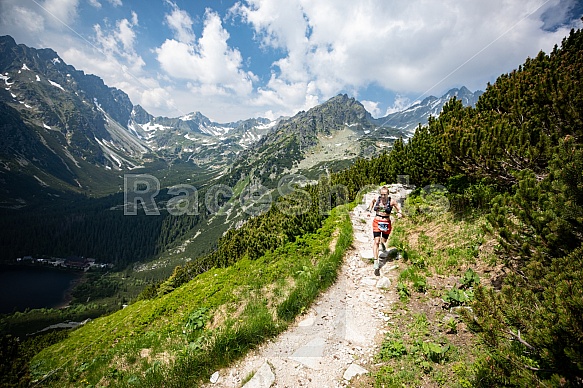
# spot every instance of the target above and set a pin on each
(64, 131)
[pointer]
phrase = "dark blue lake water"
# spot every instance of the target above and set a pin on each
(33, 287)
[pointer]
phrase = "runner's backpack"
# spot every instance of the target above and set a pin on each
(383, 209)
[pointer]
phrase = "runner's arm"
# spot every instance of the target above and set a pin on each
(371, 206)
(397, 206)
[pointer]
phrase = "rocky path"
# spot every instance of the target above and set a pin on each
(337, 338)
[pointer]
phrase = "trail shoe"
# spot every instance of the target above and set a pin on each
(382, 261)
(377, 271)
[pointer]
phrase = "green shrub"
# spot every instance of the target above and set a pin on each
(391, 349)
(420, 283)
(403, 291)
(470, 279)
(457, 297)
(435, 352)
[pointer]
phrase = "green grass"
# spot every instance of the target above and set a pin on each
(183, 336)
(415, 355)
(442, 245)
(424, 346)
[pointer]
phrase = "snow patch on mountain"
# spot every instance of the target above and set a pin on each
(213, 130)
(188, 137)
(255, 133)
(268, 125)
(112, 155)
(70, 156)
(149, 127)
(42, 183)
(133, 130)
(6, 77)
(56, 85)
(249, 138)
(189, 117)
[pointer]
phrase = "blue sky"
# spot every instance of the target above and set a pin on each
(233, 60)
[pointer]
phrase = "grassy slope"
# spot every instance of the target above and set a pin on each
(162, 340)
(428, 342)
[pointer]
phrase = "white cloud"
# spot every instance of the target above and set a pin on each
(283, 25)
(404, 46)
(19, 21)
(180, 23)
(62, 13)
(158, 98)
(125, 34)
(372, 107)
(118, 43)
(316, 49)
(400, 103)
(279, 24)
(211, 65)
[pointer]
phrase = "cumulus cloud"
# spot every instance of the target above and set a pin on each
(404, 46)
(62, 12)
(159, 98)
(372, 107)
(118, 42)
(311, 50)
(19, 21)
(180, 23)
(23, 19)
(209, 63)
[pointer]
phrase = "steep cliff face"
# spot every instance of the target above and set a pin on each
(60, 125)
(69, 131)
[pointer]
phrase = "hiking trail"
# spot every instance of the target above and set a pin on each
(336, 339)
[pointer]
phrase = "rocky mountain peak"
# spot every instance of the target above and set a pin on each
(77, 122)
(409, 119)
(140, 116)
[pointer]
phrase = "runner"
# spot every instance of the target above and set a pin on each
(381, 224)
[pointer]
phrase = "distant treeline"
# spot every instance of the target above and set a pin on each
(90, 227)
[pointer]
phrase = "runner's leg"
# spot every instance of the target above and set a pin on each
(375, 252)
(383, 256)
